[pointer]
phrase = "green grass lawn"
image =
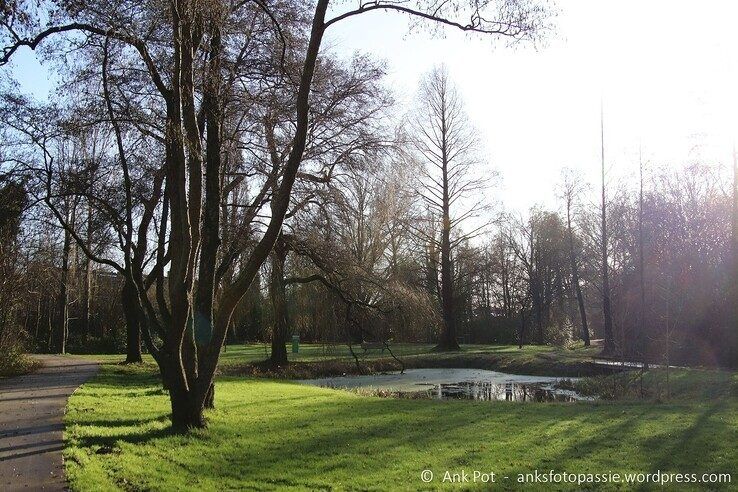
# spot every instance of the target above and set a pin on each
(268, 434)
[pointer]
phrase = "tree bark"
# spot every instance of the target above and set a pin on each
(62, 326)
(448, 337)
(280, 326)
(130, 306)
(87, 288)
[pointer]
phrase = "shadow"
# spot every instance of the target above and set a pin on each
(111, 441)
(36, 429)
(57, 442)
(16, 456)
(708, 427)
(31, 398)
(261, 432)
(112, 423)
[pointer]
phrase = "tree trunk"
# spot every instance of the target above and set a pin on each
(210, 398)
(732, 352)
(87, 288)
(521, 331)
(582, 310)
(575, 277)
(642, 339)
(448, 337)
(60, 333)
(129, 302)
(280, 327)
(187, 411)
(609, 347)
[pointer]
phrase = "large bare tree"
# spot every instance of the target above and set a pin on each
(449, 181)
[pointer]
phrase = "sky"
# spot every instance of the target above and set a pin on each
(665, 71)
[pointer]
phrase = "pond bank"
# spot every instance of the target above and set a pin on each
(546, 362)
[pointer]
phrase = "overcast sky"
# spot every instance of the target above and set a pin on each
(666, 70)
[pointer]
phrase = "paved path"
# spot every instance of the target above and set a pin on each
(31, 412)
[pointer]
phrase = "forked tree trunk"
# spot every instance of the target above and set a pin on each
(188, 395)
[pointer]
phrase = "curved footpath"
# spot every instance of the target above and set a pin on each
(31, 412)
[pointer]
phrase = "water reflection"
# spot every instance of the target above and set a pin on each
(488, 391)
(442, 383)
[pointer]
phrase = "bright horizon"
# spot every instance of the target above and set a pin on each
(667, 73)
(664, 70)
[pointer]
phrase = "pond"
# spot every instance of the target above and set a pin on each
(457, 384)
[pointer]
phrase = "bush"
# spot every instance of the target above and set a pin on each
(14, 362)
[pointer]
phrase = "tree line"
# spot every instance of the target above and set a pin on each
(209, 173)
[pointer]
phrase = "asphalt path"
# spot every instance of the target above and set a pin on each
(31, 422)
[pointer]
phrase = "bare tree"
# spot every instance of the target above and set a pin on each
(570, 190)
(449, 184)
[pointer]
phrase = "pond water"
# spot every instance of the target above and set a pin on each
(457, 384)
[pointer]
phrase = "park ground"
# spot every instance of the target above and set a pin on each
(268, 432)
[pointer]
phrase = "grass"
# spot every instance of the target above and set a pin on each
(682, 384)
(276, 434)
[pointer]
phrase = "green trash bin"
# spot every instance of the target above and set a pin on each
(295, 344)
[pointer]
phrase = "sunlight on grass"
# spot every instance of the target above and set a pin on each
(269, 434)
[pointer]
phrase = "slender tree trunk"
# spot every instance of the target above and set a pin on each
(87, 287)
(642, 339)
(62, 326)
(521, 331)
(732, 352)
(575, 277)
(609, 347)
(539, 323)
(129, 302)
(279, 304)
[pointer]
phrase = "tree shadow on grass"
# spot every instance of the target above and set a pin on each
(705, 433)
(671, 450)
(259, 435)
